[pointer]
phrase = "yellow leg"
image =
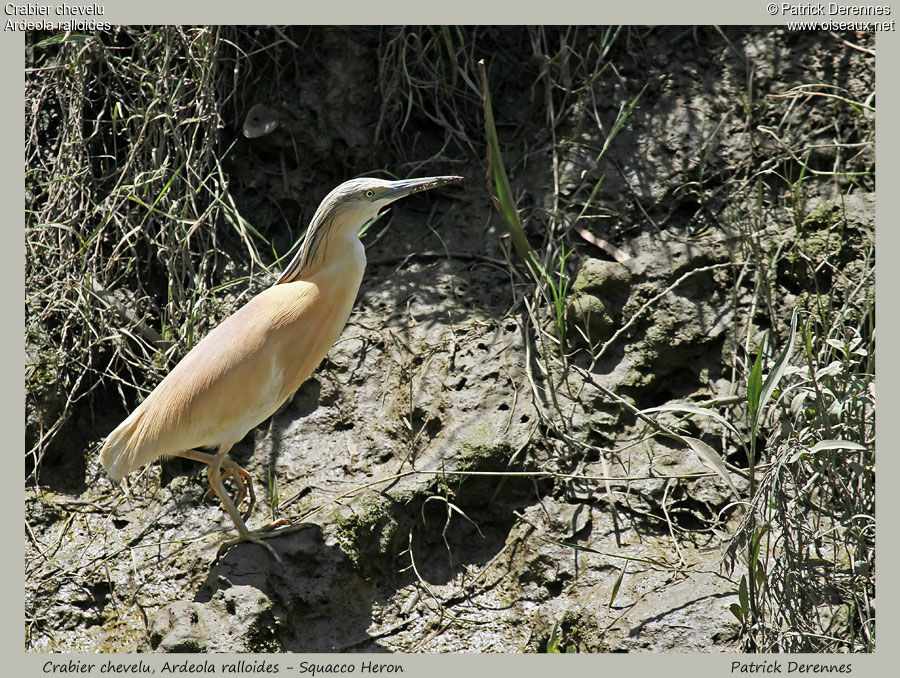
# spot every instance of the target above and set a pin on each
(231, 469)
(215, 475)
(243, 480)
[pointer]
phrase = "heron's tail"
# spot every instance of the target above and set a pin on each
(123, 449)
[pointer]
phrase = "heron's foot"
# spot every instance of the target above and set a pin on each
(277, 528)
(252, 537)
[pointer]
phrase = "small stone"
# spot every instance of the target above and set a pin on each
(588, 314)
(600, 278)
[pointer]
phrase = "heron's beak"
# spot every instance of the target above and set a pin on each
(405, 187)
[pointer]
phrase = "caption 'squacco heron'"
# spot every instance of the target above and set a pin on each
(242, 371)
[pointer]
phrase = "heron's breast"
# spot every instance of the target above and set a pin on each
(315, 323)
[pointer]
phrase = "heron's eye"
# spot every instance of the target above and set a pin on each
(370, 193)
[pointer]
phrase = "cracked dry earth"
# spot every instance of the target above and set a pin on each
(428, 445)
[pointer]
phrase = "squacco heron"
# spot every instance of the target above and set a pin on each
(243, 370)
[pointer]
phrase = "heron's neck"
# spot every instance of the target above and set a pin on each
(339, 254)
(331, 241)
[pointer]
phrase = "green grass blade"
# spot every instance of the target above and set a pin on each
(777, 372)
(754, 382)
(827, 445)
(553, 643)
(744, 597)
(836, 445)
(504, 201)
(621, 119)
(712, 459)
(690, 408)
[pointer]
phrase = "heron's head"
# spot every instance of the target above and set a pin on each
(347, 209)
(360, 200)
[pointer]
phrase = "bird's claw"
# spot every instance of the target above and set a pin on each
(249, 536)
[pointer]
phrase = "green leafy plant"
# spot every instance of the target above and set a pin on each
(555, 643)
(558, 283)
